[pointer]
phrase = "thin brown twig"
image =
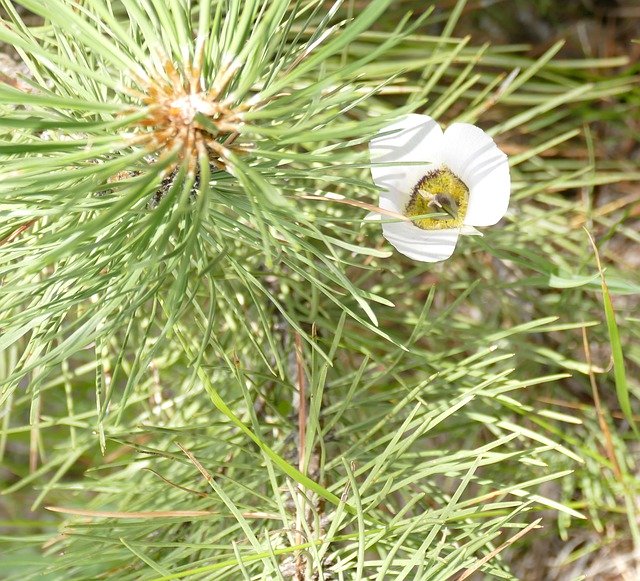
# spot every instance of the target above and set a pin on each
(19, 230)
(502, 547)
(604, 428)
(205, 473)
(358, 204)
(302, 427)
(184, 488)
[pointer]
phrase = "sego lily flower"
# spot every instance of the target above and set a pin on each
(439, 184)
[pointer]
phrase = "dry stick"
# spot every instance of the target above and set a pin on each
(604, 428)
(492, 554)
(205, 473)
(184, 488)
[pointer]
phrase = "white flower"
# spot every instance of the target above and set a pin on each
(443, 183)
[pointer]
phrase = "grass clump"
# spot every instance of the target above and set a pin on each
(211, 369)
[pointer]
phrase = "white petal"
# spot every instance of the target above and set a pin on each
(467, 230)
(474, 157)
(414, 138)
(419, 244)
(388, 201)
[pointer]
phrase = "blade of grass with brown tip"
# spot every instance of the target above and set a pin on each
(619, 373)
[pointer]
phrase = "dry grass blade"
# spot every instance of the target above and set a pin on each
(153, 513)
(622, 387)
(466, 574)
(135, 514)
(606, 433)
(357, 204)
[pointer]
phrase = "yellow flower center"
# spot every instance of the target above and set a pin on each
(439, 201)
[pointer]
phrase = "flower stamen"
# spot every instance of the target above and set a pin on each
(438, 201)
